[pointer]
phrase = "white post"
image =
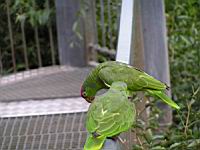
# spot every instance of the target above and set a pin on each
(125, 32)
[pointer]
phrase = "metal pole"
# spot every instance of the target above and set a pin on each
(11, 35)
(125, 32)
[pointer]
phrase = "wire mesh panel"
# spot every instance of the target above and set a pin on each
(59, 131)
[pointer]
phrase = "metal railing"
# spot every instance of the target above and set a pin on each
(24, 46)
(108, 17)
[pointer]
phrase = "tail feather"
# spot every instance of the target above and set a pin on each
(153, 83)
(94, 143)
(163, 97)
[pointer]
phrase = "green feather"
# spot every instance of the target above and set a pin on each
(108, 72)
(93, 143)
(133, 77)
(164, 98)
(109, 115)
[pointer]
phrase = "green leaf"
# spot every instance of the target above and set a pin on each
(137, 147)
(174, 145)
(148, 135)
(158, 148)
(158, 137)
(195, 143)
(21, 18)
(44, 16)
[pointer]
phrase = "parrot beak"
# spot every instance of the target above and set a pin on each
(89, 99)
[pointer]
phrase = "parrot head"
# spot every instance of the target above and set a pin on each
(87, 94)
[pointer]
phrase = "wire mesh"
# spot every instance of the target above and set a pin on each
(58, 131)
(55, 85)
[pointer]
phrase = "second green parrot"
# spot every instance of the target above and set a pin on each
(110, 114)
(108, 72)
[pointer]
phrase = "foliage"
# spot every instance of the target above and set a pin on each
(183, 134)
(23, 13)
(107, 29)
(36, 13)
(183, 21)
(183, 24)
(110, 26)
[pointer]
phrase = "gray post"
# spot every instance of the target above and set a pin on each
(155, 45)
(151, 48)
(71, 47)
(90, 28)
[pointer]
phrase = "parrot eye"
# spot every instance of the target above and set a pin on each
(84, 94)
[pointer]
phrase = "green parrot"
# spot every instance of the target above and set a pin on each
(110, 114)
(108, 72)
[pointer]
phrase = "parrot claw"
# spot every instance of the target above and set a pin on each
(167, 87)
(121, 140)
(95, 134)
(130, 97)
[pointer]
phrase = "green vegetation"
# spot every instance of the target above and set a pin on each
(183, 24)
(28, 15)
(183, 28)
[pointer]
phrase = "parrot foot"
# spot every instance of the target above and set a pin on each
(95, 134)
(130, 98)
(121, 140)
(115, 138)
(167, 87)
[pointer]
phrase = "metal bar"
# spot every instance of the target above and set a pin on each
(51, 39)
(125, 32)
(37, 42)
(95, 21)
(11, 36)
(59, 141)
(79, 129)
(104, 50)
(26, 132)
(118, 19)
(63, 144)
(6, 126)
(102, 24)
(109, 25)
(43, 140)
(51, 44)
(1, 64)
(59, 121)
(38, 46)
(24, 46)
(72, 125)
(42, 126)
(56, 141)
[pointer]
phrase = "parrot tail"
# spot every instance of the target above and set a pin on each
(163, 97)
(94, 143)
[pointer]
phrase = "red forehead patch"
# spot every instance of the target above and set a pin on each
(82, 90)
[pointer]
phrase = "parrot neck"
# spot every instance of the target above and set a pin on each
(93, 84)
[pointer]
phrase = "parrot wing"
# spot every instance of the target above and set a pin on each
(109, 115)
(110, 118)
(133, 77)
(94, 143)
